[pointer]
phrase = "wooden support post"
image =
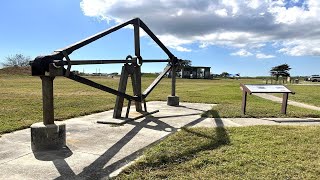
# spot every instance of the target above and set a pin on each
(122, 88)
(284, 103)
(47, 99)
(244, 102)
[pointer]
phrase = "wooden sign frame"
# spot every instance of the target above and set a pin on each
(263, 88)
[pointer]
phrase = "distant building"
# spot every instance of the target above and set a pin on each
(196, 72)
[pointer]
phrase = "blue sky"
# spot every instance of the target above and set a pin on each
(233, 36)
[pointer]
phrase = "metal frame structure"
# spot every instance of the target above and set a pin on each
(50, 66)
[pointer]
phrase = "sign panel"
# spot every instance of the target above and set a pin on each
(257, 88)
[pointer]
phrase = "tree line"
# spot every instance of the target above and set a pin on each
(17, 60)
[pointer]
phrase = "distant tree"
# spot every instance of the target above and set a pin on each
(281, 70)
(17, 60)
(183, 64)
(224, 74)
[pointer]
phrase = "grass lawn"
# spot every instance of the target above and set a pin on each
(257, 152)
(21, 103)
(306, 94)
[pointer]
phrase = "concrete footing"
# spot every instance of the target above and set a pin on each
(48, 137)
(173, 101)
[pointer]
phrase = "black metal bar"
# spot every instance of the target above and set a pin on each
(136, 27)
(97, 36)
(111, 61)
(155, 39)
(155, 60)
(101, 87)
(173, 80)
(145, 105)
(156, 82)
(136, 85)
(128, 109)
(121, 88)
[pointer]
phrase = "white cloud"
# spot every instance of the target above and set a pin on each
(264, 56)
(242, 53)
(254, 4)
(246, 24)
(301, 47)
(174, 42)
(221, 12)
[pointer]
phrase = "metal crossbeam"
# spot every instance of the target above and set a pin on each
(156, 82)
(88, 82)
(111, 61)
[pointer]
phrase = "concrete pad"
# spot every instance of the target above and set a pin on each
(96, 150)
(14, 145)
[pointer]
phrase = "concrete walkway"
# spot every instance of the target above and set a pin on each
(96, 151)
(279, 100)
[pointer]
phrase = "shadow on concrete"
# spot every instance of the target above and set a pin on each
(182, 115)
(52, 155)
(191, 108)
(97, 169)
(187, 152)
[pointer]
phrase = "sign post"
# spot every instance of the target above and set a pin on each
(263, 88)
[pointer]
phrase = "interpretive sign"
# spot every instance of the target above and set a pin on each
(256, 88)
(262, 88)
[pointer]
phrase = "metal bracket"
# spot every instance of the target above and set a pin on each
(67, 74)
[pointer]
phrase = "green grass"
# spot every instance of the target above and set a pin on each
(257, 152)
(306, 94)
(21, 103)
